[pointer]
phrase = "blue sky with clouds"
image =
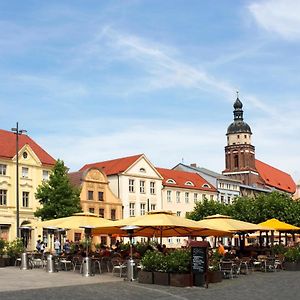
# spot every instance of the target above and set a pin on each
(97, 80)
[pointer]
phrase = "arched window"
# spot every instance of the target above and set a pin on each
(172, 181)
(189, 183)
(205, 185)
(236, 161)
(142, 170)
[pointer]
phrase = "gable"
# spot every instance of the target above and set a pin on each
(143, 168)
(27, 157)
(8, 147)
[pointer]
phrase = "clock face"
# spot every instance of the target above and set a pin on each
(25, 154)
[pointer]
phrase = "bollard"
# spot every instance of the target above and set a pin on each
(131, 270)
(87, 267)
(24, 261)
(50, 266)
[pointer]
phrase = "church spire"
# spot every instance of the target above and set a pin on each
(238, 108)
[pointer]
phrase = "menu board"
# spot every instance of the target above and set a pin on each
(199, 259)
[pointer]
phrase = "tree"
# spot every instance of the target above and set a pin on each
(207, 208)
(57, 196)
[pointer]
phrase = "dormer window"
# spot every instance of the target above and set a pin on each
(189, 183)
(205, 185)
(142, 170)
(172, 181)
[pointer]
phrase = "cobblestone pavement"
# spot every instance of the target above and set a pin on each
(37, 284)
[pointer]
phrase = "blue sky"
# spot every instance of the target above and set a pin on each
(97, 80)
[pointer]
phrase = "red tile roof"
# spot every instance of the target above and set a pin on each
(275, 178)
(115, 166)
(8, 147)
(75, 178)
(181, 178)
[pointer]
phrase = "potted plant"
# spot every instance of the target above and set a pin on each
(148, 267)
(14, 250)
(179, 267)
(160, 274)
(3, 244)
(292, 259)
(214, 274)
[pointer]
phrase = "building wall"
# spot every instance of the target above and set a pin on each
(27, 183)
(142, 170)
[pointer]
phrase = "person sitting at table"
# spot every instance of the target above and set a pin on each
(221, 249)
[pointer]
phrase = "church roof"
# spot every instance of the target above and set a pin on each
(186, 180)
(275, 178)
(114, 166)
(8, 147)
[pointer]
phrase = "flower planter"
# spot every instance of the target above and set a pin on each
(161, 278)
(145, 277)
(292, 266)
(2, 262)
(214, 276)
(181, 279)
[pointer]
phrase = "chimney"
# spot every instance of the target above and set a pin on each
(194, 165)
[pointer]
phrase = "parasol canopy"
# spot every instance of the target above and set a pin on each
(277, 225)
(160, 224)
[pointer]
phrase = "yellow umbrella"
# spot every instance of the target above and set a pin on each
(277, 225)
(159, 224)
(77, 221)
(226, 223)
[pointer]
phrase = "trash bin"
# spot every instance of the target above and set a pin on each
(131, 270)
(87, 267)
(24, 261)
(50, 266)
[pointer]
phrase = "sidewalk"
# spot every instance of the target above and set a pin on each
(13, 279)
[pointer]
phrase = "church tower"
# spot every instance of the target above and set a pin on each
(239, 152)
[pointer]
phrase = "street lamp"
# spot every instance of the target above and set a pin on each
(17, 132)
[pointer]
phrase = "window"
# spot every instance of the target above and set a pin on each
(228, 199)
(2, 169)
(245, 136)
(189, 183)
(90, 195)
(3, 197)
(178, 213)
(187, 197)
(211, 197)
(142, 170)
(153, 206)
(92, 210)
(131, 209)
(142, 186)
(170, 240)
(113, 214)
(25, 154)
(152, 188)
(238, 136)
(143, 208)
(101, 212)
(77, 236)
(203, 197)
(24, 172)
(195, 197)
(131, 185)
(25, 199)
(205, 185)
(45, 175)
(100, 196)
(178, 197)
(222, 199)
(172, 181)
(103, 240)
(169, 196)
(236, 161)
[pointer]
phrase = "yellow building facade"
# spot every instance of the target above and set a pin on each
(35, 165)
(96, 197)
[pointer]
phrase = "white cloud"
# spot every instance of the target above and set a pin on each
(279, 16)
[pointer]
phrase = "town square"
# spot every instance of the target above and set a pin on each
(149, 149)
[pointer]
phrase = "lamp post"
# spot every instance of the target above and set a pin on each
(18, 132)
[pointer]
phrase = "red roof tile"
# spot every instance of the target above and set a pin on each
(275, 178)
(75, 178)
(181, 178)
(8, 147)
(115, 166)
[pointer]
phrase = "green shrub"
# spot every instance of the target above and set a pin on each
(292, 254)
(179, 261)
(3, 245)
(154, 261)
(15, 248)
(214, 260)
(279, 249)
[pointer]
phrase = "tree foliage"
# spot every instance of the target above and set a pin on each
(255, 210)
(57, 196)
